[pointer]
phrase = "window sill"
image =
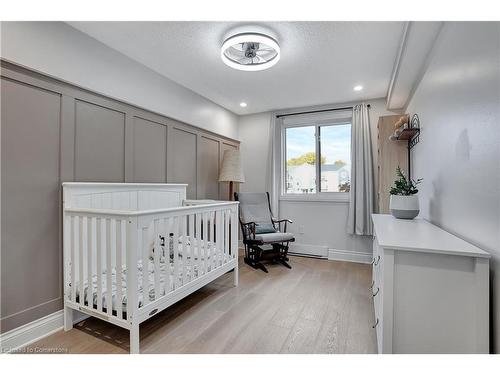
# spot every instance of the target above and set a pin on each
(321, 197)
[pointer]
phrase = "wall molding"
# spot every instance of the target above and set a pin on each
(35, 330)
(416, 48)
(349, 256)
(397, 63)
(314, 250)
(17, 72)
(425, 65)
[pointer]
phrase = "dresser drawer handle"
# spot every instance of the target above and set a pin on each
(378, 290)
(373, 283)
(373, 261)
(376, 324)
(152, 312)
(377, 261)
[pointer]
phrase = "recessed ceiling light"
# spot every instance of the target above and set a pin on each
(243, 104)
(358, 88)
(250, 51)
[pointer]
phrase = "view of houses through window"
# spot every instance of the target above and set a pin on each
(332, 143)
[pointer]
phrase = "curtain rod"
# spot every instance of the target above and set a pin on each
(317, 111)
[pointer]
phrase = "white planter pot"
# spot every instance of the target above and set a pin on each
(404, 206)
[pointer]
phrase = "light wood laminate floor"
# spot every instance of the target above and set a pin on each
(319, 306)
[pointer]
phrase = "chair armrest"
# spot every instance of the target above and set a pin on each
(283, 220)
(286, 221)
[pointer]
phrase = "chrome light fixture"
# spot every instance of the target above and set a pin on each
(250, 51)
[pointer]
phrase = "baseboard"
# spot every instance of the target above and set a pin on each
(35, 330)
(349, 256)
(314, 250)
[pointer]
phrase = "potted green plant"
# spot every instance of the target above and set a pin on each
(404, 200)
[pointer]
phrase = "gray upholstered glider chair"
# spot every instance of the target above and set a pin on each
(264, 237)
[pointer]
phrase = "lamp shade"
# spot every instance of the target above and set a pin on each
(231, 169)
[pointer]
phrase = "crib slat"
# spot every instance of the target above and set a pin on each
(90, 249)
(234, 235)
(156, 257)
(212, 242)
(119, 233)
(183, 234)
(205, 242)
(226, 234)
(221, 238)
(109, 269)
(99, 238)
(144, 243)
(114, 256)
(175, 243)
(123, 260)
(198, 245)
(74, 252)
(218, 237)
(165, 273)
(191, 247)
(80, 260)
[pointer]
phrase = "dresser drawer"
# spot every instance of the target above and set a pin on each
(379, 315)
(377, 292)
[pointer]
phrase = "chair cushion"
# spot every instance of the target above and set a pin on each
(274, 237)
(261, 228)
(254, 207)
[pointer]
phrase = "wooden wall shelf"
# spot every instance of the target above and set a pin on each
(408, 134)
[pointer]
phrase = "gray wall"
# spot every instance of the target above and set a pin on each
(53, 132)
(61, 51)
(458, 102)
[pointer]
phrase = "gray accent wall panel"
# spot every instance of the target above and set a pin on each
(31, 257)
(52, 132)
(208, 170)
(150, 151)
(183, 159)
(99, 143)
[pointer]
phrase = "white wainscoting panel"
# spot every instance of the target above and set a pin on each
(349, 256)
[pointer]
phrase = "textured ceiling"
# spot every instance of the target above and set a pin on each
(320, 62)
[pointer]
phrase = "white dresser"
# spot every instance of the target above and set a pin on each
(430, 289)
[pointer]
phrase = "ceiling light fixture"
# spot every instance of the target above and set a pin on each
(358, 88)
(243, 104)
(250, 51)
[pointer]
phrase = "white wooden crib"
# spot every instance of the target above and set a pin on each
(132, 250)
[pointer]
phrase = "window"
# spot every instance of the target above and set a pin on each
(335, 168)
(317, 157)
(301, 160)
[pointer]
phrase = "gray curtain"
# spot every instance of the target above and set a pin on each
(361, 193)
(273, 160)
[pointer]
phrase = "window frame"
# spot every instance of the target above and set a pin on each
(318, 195)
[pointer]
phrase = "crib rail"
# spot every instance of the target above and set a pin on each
(123, 265)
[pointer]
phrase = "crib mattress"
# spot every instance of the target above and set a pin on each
(166, 281)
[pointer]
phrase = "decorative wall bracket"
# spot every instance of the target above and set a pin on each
(415, 127)
(408, 131)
